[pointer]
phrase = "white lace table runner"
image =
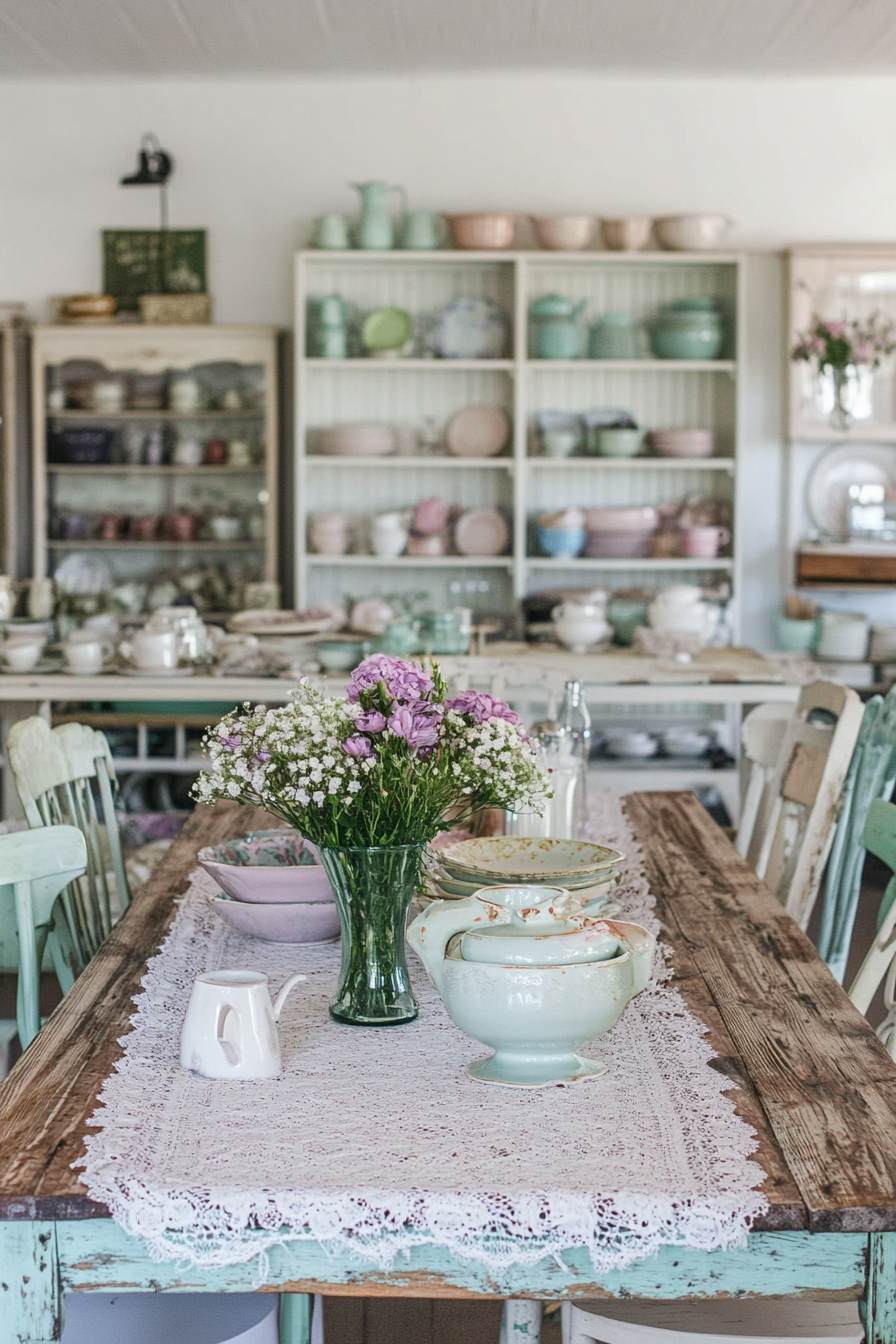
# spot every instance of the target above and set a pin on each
(376, 1140)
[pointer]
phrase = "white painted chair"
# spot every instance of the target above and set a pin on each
(726, 1321)
(56, 772)
(791, 807)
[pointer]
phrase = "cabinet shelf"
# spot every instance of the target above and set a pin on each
(124, 545)
(92, 416)
(726, 464)
(415, 463)
(140, 469)
(723, 564)
(414, 365)
(632, 365)
(412, 561)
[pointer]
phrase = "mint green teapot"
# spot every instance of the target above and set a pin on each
(535, 973)
(557, 331)
(374, 229)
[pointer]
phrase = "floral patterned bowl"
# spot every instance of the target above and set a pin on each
(268, 867)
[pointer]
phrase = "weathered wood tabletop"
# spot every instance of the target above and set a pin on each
(812, 1078)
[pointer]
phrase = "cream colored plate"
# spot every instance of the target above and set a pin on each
(519, 857)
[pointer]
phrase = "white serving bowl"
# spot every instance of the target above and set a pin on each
(691, 233)
(564, 233)
(301, 922)
(685, 742)
(625, 744)
(625, 235)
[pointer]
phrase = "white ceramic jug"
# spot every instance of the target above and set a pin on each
(230, 1030)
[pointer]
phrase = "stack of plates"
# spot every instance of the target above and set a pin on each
(356, 441)
(461, 869)
(682, 442)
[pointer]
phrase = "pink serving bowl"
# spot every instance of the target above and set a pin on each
(644, 518)
(617, 545)
(682, 442)
(488, 232)
(300, 922)
(265, 868)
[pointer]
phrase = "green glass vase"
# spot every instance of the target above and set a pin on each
(373, 888)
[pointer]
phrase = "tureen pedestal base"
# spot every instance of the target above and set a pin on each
(512, 1069)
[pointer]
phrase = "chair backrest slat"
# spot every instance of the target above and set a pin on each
(879, 837)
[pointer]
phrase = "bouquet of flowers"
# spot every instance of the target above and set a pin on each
(838, 345)
(381, 767)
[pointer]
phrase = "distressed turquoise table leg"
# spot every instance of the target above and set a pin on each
(880, 1289)
(30, 1295)
(295, 1318)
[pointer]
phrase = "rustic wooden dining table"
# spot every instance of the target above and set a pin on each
(809, 1073)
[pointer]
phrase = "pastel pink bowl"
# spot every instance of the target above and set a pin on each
(302, 922)
(263, 868)
(617, 545)
(640, 519)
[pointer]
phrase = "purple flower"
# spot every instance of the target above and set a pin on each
(262, 755)
(419, 726)
(357, 746)
(232, 741)
(371, 722)
(482, 707)
(402, 680)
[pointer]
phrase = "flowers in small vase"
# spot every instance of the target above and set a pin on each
(837, 345)
(381, 767)
(845, 355)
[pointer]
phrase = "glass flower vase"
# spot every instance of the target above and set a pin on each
(373, 888)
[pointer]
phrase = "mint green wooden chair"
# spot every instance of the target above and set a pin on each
(35, 867)
(872, 775)
(879, 838)
(62, 774)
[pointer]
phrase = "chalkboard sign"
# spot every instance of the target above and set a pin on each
(147, 261)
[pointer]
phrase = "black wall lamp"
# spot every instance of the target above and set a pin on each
(154, 167)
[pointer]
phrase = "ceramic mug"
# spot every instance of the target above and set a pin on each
(422, 231)
(703, 543)
(20, 655)
(331, 233)
(84, 656)
(239, 453)
(151, 651)
(107, 395)
(230, 1030)
(41, 598)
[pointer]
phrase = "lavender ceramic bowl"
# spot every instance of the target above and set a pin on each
(300, 922)
(268, 867)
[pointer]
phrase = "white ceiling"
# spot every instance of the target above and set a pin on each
(336, 37)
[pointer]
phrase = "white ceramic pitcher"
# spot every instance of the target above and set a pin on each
(230, 1030)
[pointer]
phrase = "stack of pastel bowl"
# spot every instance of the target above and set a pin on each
(274, 888)
(588, 870)
(620, 533)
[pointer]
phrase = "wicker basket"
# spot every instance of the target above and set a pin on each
(176, 310)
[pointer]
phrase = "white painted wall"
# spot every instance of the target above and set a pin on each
(790, 160)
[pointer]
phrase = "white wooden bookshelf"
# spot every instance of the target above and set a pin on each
(682, 394)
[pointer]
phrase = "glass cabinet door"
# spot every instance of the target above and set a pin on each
(157, 482)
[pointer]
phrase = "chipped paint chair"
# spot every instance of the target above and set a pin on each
(65, 776)
(797, 762)
(35, 868)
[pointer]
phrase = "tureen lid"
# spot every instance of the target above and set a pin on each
(537, 926)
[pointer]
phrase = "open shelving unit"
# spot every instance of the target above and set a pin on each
(405, 392)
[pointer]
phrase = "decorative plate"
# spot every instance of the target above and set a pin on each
(846, 464)
(477, 431)
(518, 857)
(471, 329)
(264, 621)
(386, 329)
(481, 532)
